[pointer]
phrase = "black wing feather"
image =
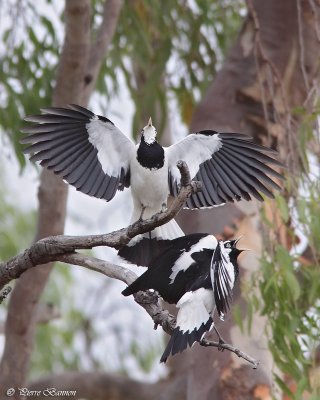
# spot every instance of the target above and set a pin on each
(236, 169)
(67, 141)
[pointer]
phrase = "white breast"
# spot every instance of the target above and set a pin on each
(149, 187)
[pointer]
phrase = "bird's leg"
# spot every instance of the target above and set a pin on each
(142, 211)
(221, 340)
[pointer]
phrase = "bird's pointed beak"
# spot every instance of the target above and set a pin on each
(150, 122)
(238, 239)
(244, 250)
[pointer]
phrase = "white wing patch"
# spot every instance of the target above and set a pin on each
(195, 309)
(185, 259)
(114, 148)
(194, 150)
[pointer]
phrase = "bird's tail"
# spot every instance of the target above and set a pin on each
(142, 249)
(180, 340)
(139, 284)
(193, 321)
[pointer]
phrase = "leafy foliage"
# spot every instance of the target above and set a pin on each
(163, 49)
(174, 52)
(28, 59)
(289, 278)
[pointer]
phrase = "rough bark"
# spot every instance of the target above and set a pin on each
(21, 318)
(269, 71)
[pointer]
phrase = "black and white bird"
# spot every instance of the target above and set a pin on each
(92, 154)
(197, 273)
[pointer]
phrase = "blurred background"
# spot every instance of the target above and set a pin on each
(228, 65)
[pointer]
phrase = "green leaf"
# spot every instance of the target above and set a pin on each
(293, 284)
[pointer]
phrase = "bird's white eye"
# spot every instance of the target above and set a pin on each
(227, 245)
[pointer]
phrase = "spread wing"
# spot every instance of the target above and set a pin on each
(86, 150)
(229, 165)
(222, 278)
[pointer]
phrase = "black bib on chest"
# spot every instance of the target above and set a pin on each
(150, 156)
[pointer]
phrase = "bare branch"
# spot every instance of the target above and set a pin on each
(301, 45)
(226, 346)
(150, 301)
(95, 264)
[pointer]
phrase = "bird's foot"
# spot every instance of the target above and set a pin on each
(141, 215)
(221, 340)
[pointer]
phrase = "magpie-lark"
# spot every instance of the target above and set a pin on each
(92, 154)
(197, 273)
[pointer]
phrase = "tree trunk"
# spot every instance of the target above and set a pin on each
(78, 59)
(268, 72)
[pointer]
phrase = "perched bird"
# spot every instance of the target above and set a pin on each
(197, 273)
(92, 154)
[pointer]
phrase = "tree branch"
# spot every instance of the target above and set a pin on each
(98, 49)
(54, 247)
(226, 346)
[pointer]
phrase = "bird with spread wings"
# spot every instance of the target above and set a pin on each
(90, 153)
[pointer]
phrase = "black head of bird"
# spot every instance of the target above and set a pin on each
(232, 246)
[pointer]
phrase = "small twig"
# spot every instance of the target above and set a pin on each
(4, 293)
(301, 45)
(226, 346)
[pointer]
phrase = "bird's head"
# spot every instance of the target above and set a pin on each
(149, 133)
(231, 248)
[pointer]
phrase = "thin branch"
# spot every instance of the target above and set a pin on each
(226, 346)
(150, 301)
(98, 49)
(110, 270)
(301, 45)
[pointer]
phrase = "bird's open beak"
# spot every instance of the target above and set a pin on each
(237, 240)
(150, 122)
